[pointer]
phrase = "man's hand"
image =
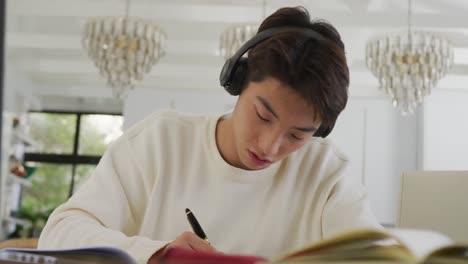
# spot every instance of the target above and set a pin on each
(187, 240)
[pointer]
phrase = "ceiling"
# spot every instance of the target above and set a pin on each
(43, 38)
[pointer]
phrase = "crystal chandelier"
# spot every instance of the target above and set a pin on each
(409, 65)
(123, 49)
(234, 36)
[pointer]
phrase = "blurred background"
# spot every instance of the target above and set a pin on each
(60, 113)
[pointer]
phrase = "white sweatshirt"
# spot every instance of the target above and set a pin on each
(136, 198)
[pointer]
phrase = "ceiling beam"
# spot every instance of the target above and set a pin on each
(357, 6)
(363, 84)
(165, 10)
(73, 42)
(90, 84)
(446, 6)
(19, 42)
(87, 67)
(177, 30)
(170, 67)
(169, 76)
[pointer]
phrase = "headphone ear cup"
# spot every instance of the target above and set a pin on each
(239, 78)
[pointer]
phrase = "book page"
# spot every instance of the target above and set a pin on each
(420, 242)
(363, 244)
(78, 255)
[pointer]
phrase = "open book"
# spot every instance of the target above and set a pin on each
(95, 255)
(394, 246)
(362, 246)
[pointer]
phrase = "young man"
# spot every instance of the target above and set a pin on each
(260, 179)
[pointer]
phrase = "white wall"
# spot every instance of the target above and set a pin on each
(445, 135)
(380, 143)
(141, 103)
(17, 89)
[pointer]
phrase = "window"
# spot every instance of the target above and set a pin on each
(53, 133)
(96, 132)
(50, 184)
(67, 148)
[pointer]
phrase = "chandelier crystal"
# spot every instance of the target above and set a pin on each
(124, 49)
(408, 69)
(409, 65)
(234, 36)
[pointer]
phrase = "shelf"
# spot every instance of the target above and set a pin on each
(24, 138)
(15, 179)
(21, 222)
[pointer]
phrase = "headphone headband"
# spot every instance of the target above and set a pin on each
(307, 32)
(229, 67)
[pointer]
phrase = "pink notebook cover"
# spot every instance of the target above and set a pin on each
(185, 256)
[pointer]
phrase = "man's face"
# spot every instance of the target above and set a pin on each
(270, 121)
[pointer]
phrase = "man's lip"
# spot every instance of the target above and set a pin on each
(260, 158)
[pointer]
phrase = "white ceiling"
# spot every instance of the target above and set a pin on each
(43, 38)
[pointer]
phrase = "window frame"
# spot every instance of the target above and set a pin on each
(73, 159)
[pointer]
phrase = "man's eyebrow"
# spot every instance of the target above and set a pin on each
(267, 106)
(306, 129)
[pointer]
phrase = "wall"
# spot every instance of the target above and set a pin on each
(17, 90)
(378, 140)
(445, 134)
(381, 144)
(141, 103)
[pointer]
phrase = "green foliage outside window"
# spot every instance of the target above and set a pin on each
(96, 132)
(54, 133)
(51, 182)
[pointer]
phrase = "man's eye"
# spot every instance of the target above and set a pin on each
(293, 136)
(262, 118)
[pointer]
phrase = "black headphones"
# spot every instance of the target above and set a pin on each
(234, 72)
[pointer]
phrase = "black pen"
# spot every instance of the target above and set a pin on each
(195, 225)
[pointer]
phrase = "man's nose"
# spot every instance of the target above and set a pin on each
(270, 144)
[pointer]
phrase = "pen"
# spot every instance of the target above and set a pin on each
(195, 225)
